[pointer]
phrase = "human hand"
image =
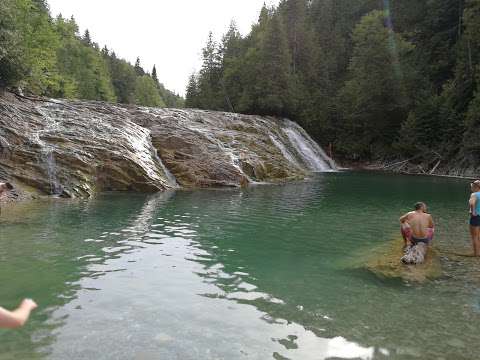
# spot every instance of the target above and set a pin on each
(29, 304)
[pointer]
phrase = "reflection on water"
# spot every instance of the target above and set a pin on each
(255, 273)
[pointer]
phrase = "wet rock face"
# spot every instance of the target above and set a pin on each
(74, 148)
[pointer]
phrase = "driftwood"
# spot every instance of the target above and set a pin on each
(400, 165)
(435, 167)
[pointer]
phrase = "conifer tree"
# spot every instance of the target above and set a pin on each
(272, 95)
(86, 38)
(191, 100)
(146, 92)
(138, 67)
(375, 96)
(154, 75)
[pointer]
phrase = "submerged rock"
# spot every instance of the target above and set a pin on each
(78, 148)
(386, 261)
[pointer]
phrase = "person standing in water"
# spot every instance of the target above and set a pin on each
(417, 226)
(474, 206)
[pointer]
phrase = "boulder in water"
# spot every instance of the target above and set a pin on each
(385, 261)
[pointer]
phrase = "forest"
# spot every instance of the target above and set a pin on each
(372, 80)
(47, 56)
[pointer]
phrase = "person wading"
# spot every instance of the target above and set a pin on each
(417, 225)
(474, 205)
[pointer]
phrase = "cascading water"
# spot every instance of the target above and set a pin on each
(148, 158)
(283, 149)
(310, 152)
(171, 179)
(78, 148)
(47, 156)
(48, 161)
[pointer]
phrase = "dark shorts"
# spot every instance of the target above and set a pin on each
(475, 221)
(415, 241)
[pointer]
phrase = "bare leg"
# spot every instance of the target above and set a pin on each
(473, 234)
(477, 242)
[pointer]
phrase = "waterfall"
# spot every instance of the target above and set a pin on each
(47, 156)
(285, 152)
(48, 160)
(147, 156)
(170, 177)
(310, 152)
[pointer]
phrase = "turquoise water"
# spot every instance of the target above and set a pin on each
(268, 272)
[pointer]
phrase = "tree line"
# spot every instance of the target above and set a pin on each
(48, 57)
(374, 79)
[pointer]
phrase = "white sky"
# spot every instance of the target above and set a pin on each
(168, 33)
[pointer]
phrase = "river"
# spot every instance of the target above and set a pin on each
(265, 272)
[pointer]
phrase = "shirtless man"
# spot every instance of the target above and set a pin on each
(18, 317)
(417, 225)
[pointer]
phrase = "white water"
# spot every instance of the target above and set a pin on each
(48, 160)
(47, 156)
(310, 152)
(283, 149)
(147, 156)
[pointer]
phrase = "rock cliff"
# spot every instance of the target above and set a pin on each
(79, 148)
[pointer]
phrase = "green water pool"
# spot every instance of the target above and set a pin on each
(267, 272)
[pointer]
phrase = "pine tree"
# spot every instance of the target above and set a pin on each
(209, 80)
(138, 68)
(231, 53)
(192, 92)
(375, 98)
(270, 94)
(146, 92)
(105, 51)
(86, 38)
(154, 75)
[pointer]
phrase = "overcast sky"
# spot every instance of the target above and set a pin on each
(168, 33)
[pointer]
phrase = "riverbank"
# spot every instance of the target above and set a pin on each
(406, 167)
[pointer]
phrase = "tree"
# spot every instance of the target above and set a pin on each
(11, 49)
(270, 93)
(375, 97)
(231, 52)
(192, 92)
(154, 75)
(41, 42)
(138, 68)
(146, 92)
(209, 80)
(123, 79)
(86, 38)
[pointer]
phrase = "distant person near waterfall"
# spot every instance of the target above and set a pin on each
(474, 205)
